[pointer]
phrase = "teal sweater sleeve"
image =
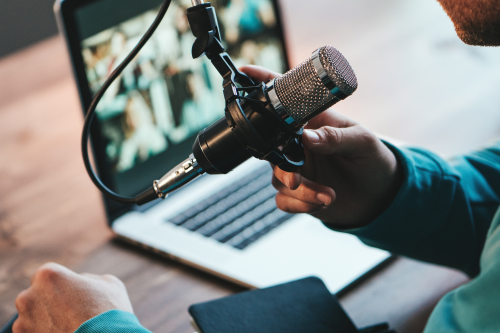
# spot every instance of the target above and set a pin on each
(114, 321)
(473, 307)
(443, 211)
(443, 214)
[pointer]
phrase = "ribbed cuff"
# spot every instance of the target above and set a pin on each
(114, 321)
(419, 201)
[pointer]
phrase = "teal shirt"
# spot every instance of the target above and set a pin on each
(445, 213)
(442, 214)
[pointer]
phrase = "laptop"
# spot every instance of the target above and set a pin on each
(146, 124)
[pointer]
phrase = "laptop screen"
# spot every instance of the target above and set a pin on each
(150, 116)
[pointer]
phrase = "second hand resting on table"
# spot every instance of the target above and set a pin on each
(60, 301)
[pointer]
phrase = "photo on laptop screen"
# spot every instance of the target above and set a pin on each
(164, 98)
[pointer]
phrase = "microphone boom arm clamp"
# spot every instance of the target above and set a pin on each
(204, 25)
(214, 152)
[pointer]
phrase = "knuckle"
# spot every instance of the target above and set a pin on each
(293, 181)
(294, 206)
(303, 191)
(366, 136)
(281, 204)
(48, 273)
(113, 279)
(332, 135)
(23, 302)
(19, 327)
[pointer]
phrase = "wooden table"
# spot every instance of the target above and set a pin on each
(50, 211)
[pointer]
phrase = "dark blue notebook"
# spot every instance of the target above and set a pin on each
(303, 306)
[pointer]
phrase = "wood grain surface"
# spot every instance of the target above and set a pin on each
(49, 211)
(418, 83)
(403, 293)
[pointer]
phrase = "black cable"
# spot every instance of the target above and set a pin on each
(91, 112)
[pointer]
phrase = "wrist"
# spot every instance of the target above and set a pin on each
(112, 321)
(393, 183)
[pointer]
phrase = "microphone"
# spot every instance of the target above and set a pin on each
(312, 87)
(266, 122)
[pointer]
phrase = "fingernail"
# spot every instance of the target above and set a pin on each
(291, 179)
(286, 180)
(312, 135)
(324, 198)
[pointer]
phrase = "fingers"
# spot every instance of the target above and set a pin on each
(259, 74)
(64, 299)
(108, 278)
(18, 327)
(295, 206)
(329, 140)
(31, 303)
(308, 192)
(330, 118)
(55, 273)
(23, 302)
(297, 194)
(51, 273)
(108, 282)
(92, 276)
(333, 133)
(291, 180)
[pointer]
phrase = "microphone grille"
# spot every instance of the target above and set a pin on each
(304, 94)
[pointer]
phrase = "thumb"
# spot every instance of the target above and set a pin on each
(329, 140)
(259, 74)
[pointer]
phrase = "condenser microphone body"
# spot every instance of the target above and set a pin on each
(267, 124)
(312, 87)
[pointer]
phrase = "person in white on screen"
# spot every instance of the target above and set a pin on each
(392, 198)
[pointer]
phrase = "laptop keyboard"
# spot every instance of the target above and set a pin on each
(239, 214)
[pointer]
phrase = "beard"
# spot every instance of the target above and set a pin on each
(477, 22)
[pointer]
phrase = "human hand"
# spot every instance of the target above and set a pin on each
(350, 177)
(59, 300)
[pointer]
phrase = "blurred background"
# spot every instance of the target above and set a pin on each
(389, 43)
(37, 21)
